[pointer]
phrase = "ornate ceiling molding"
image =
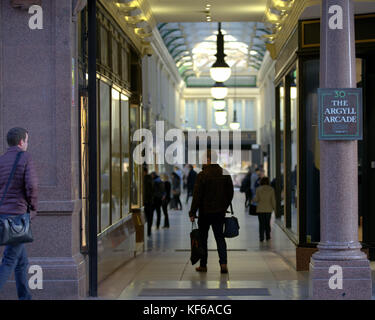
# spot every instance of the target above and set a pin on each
(136, 19)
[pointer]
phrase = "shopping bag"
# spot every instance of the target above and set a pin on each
(197, 251)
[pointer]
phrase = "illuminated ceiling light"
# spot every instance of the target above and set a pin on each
(220, 70)
(218, 104)
(235, 125)
(220, 117)
(219, 91)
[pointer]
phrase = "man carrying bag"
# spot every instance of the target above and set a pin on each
(213, 193)
(18, 192)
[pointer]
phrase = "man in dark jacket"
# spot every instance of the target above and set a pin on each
(213, 193)
(190, 182)
(21, 197)
(147, 199)
(157, 196)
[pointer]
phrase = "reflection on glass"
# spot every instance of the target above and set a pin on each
(282, 94)
(104, 155)
(134, 124)
(116, 163)
(293, 148)
(125, 182)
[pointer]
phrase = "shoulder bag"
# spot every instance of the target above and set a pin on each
(14, 229)
(231, 226)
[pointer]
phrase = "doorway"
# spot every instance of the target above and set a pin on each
(366, 156)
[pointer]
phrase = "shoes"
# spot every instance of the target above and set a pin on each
(201, 269)
(261, 240)
(166, 227)
(223, 268)
(268, 239)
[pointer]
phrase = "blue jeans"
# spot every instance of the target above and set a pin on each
(217, 222)
(15, 258)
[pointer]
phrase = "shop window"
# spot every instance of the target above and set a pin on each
(125, 180)
(134, 168)
(105, 141)
(312, 150)
(116, 158)
(281, 104)
(293, 150)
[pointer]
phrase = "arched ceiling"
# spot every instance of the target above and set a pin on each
(193, 46)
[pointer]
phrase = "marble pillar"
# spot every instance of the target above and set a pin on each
(37, 92)
(339, 270)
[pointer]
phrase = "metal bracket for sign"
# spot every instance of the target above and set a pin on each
(340, 114)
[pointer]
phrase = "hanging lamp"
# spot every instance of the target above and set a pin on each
(219, 91)
(220, 70)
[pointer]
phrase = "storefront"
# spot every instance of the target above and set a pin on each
(297, 144)
(119, 114)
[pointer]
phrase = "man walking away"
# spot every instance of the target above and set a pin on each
(213, 193)
(166, 199)
(147, 199)
(22, 195)
(190, 182)
(176, 191)
(158, 194)
(245, 188)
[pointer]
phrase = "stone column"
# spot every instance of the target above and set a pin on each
(339, 249)
(37, 92)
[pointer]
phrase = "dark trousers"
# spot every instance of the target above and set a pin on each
(264, 225)
(165, 211)
(189, 194)
(217, 223)
(177, 201)
(157, 206)
(149, 213)
(15, 259)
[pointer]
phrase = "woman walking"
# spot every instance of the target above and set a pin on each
(176, 183)
(266, 203)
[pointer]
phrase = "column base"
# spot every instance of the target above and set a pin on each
(356, 280)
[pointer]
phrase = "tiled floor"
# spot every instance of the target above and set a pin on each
(252, 265)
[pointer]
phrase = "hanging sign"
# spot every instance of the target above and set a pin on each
(340, 114)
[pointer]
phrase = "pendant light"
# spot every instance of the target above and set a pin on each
(219, 91)
(220, 70)
(235, 125)
(218, 104)
(221, 117)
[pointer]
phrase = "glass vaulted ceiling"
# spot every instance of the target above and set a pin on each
(193, 47)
